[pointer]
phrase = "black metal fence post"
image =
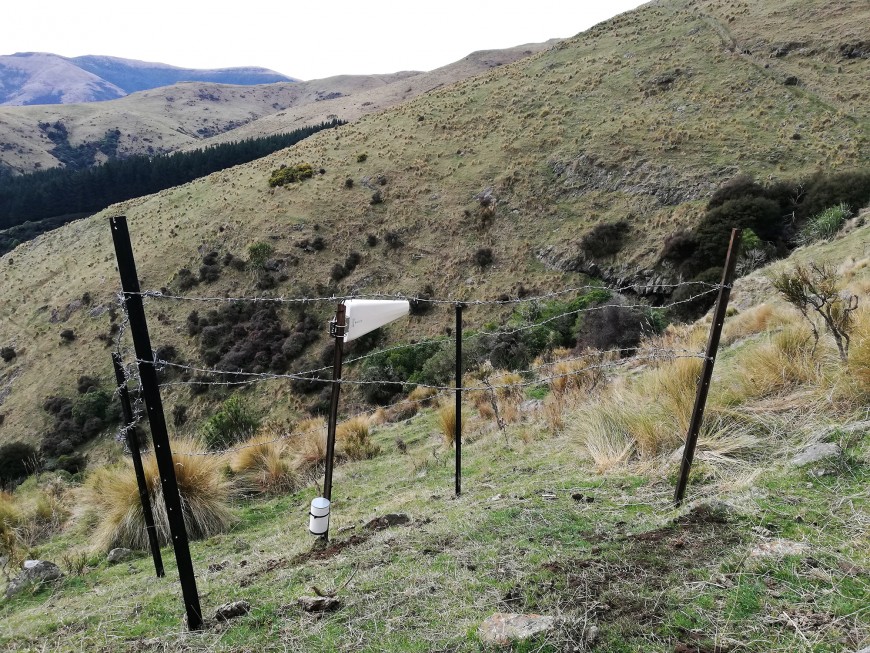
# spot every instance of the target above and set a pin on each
(337, 329)
(133, 444)
(457, 439)
(156, 418)
(707, 369)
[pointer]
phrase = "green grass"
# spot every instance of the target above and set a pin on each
(620, 562)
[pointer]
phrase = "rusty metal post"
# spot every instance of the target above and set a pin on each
(707, 369)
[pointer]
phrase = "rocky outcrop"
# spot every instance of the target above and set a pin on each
(640, 281)
(587, 172)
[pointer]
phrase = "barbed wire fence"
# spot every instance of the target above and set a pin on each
(609, 359)
(142, 371)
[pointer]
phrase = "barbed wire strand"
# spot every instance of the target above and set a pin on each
(637, 288)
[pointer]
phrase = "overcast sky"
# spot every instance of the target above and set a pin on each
(306, 40)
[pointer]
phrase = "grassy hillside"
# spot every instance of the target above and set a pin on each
(637, 119)
(190, 115)
(480, 190)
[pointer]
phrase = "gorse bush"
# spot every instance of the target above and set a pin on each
(235, 421)
(780, 214)
(290, 174)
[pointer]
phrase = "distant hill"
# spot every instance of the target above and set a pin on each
(188, 115)
(28, 78)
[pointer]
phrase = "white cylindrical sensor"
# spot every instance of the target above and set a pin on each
(319, 522)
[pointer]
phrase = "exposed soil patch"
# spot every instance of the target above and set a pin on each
(331, 550)
(627, 579)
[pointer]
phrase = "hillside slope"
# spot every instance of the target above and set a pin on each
(638, 119)
(189, 115)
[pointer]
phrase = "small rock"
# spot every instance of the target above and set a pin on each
(34, 572)
(816, 453)
(531, 405)
(319, 603)
(502, 628)
(390, 519)
(119, 555)
(232, 610)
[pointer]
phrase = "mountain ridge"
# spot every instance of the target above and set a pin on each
(40, 78)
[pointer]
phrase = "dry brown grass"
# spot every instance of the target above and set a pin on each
(113, 496)
(353, 439)
(788, 360)
(309, 443)
(422, 395)
(261, 465)
(859, 351)
(757, 319)
(644, 418)
(447, 422)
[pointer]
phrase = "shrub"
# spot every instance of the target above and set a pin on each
(17, 460)
(234, 422)
(371, 240)
(814, 290)
(67, 335)
(112, 494)
(605, 239)
(348, 183)
(7, 353)
(419, 305)
(483, 257)
(185, 280)
(377, 198)
(393, 240)
(290, 174)
(614, 327)
(361, 158)
(87, 384)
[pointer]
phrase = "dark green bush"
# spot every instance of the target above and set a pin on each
(17, 461)
(7, 353)
(484, 257)
(605, 239)
(290, 174)
(235, 421)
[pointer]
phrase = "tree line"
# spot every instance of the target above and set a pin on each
(59, 191)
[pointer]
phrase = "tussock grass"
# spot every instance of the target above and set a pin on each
(859, 352)
(353, 439)
(447, 422)
(789, 359)
(10, 517)
(309, 443)
(261, 465)
(755, 320)
(113, 495)
(646, 417)
(422, 395)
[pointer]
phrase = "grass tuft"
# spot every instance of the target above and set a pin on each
(113, 495)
